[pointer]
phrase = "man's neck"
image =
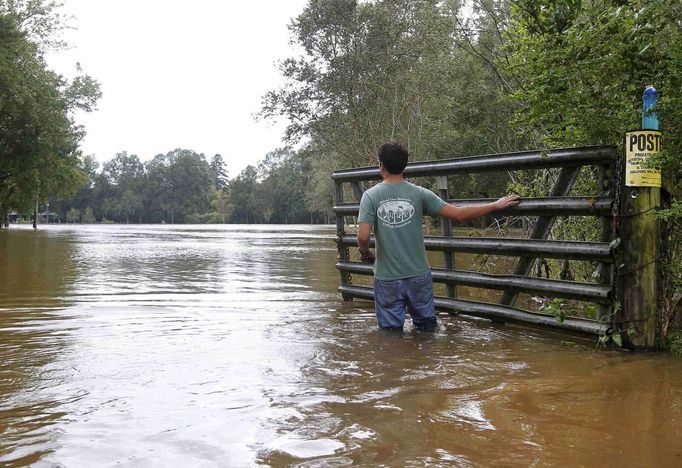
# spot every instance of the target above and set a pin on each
(393, 178)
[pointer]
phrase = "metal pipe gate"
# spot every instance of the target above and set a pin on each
(558, 203)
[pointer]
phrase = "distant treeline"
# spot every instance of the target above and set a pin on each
(182, 186)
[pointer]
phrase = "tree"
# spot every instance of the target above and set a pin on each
(222, 208)
(157, 189)
(73, 216)
(125, 175)
(218, 172)
(38, 138)
(242, 197)
(319, 190)
(281, 192)
(88, 216)
(189, 179)
(393, 70)
(387, 70)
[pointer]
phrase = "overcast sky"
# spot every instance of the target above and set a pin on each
(179, 74)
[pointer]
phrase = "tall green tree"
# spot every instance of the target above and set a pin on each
(411, 71)
(281, 192)
(125, 175)
(179, 184)
(189, 176)
(38, 137)
(242, 197)
(218, 172)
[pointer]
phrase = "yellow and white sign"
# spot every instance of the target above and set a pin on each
(640, 147)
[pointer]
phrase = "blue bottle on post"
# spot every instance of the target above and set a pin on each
(649, 119)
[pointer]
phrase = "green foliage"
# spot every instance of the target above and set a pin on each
(388, 70)
(222, 208)
(182, 187)
(169, 188)
(88, 216)
(673, 342)
(579, 70)
(73, 216)
(40, 20)
(218, 172)
(273, 192)
(243, 198)
(319, 189)
(39, 139)
(124, 175)
(555, 307)
(582, 69)
(401, 70)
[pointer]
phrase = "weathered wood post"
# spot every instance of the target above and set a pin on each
(637, 279)
(449, 257)
(639, 230)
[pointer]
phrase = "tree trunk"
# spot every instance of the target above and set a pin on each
(566, 273)
(35, 215)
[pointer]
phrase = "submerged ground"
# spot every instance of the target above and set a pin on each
(228, 346)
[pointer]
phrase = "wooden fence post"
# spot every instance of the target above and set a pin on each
(640, 232)
(637, 278)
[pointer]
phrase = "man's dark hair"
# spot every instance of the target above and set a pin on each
(394, 157)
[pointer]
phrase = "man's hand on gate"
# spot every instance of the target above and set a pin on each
(507, 201)
(367, 256)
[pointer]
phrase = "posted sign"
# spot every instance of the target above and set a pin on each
(640, 146)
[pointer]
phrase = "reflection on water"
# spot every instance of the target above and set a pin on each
(228, 346)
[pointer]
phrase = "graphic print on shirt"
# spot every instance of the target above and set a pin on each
(395, 212)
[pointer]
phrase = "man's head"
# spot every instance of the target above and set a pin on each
(394, 157)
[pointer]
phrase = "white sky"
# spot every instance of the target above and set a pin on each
(179, 74)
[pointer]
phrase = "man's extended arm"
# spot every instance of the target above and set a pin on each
(463, 213)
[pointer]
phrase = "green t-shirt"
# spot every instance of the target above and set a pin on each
(395, 212)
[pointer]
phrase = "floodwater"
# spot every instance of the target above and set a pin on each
(155, 346)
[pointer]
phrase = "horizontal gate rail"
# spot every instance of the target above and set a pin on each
(494, 311)
(547, 206)
(573, 250)
(556, 288)
(524, 160)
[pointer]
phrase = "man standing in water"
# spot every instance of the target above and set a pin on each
(394, 209)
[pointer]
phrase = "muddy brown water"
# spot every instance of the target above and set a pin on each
(148, 346)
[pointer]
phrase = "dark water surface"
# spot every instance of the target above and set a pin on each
(148, 346)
